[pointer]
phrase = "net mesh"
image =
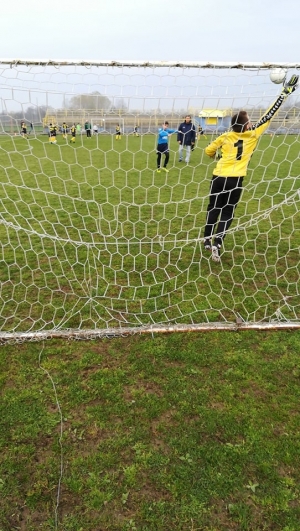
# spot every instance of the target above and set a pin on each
(92, 237)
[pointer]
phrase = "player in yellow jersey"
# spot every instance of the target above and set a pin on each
(52, 134)
(200, 133)
(118, 132)
(73, 133)
(24, 130)
(236, 148)
(64, 130)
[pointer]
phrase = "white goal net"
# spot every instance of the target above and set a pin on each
(95, 241)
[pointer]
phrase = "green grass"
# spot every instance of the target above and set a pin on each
(183, 431)
(92, 237)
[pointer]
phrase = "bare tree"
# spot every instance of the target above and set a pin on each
(120, 106)
(94, 101)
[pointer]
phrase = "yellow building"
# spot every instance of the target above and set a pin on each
(215, 119)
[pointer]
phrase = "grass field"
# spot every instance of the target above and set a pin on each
(92, 237)
(183, 431)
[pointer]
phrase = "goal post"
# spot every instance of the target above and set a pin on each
(95, 242)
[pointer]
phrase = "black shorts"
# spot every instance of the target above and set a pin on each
(162, 148)
(220, 185)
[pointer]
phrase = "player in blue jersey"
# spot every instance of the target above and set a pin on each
(162, 145)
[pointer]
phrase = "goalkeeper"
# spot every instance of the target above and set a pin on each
(236, 148)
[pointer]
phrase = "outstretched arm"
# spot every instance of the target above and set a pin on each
(289, 88)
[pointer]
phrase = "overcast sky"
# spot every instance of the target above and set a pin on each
(158, 30)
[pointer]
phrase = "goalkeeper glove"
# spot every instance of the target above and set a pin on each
(290, 85)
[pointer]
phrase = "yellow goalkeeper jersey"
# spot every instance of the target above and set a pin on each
(237, 148)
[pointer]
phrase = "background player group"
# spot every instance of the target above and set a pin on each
(186, 138)
(75, 129)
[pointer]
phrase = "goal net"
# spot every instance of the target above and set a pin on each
(95, 241)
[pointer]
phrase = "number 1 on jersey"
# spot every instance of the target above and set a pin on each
(239, 146)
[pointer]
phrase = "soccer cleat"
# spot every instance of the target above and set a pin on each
(180, 160)
(207, 245)
(166, 170)
(158, 170)
(215, 253)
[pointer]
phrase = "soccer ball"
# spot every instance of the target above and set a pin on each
(278, 75)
